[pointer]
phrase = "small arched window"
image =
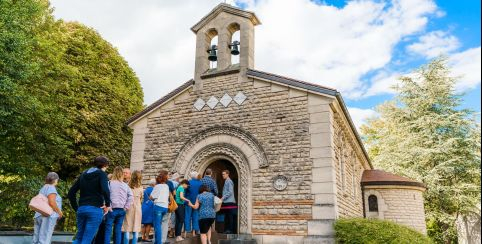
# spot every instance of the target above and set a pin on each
(372, 203)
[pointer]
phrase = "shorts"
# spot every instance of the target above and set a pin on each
(205, 224)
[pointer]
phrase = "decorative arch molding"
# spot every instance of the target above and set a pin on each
(236, 137)
(210, 153)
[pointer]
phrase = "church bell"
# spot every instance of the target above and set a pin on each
(234, 48)
(212, 53)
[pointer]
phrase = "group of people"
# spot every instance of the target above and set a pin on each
(117, 205)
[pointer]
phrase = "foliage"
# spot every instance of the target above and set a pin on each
(424, 135)
(16, 195)
(65, 94)
(369, 231)
(31, 124)
(104, 92)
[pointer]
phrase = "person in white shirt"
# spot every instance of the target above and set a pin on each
(160, 197)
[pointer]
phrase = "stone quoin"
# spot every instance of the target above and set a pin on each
(270, 131)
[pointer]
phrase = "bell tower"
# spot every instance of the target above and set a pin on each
(222, 22)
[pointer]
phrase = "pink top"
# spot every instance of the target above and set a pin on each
(120, 195)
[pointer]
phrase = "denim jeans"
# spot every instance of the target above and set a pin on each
(88, 221)
(99, 237)
(114, 218)
(125, 237)
(192, 219)
(179, 218)
(43, 229)
(159, 216)
(165, 226)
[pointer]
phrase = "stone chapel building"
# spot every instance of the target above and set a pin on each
(294, 154)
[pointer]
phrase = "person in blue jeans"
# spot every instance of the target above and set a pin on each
(160, 197)
(94, 200)
(44, 225)
(191, 222)
(121, 198)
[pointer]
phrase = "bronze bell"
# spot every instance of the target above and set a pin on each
(212, 54)
(234, 48)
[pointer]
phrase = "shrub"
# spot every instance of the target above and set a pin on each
(376, 231)
(15, 195)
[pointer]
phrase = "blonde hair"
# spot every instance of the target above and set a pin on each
(136, 179)
(118, 174)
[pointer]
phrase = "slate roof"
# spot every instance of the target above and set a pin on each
(160, 101)
(379, 177)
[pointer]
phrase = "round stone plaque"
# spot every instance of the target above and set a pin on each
(280, 182)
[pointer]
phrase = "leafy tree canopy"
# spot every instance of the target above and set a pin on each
(423, 134)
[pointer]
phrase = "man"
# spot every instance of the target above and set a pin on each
(229, 203)
(168, 230)
(209, 182)
(94, 200)
(127, 175)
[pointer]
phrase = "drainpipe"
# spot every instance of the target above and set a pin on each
(363, 201)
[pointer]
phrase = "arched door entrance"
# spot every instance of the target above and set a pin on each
(217, 167)
(239, 150)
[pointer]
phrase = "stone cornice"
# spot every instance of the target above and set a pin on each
(223, 7)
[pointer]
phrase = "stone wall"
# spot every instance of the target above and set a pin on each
(401, 204)
(349, 170)
(276, 116)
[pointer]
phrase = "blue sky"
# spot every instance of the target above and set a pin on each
(356, 47)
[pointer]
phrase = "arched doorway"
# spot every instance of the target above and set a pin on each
(217, 168)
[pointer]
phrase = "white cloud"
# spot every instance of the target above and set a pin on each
(434, 43)
(317, 43)
(467, 66)
(359, 115)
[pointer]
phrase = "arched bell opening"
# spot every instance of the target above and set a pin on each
(234, 30)
(212, 48)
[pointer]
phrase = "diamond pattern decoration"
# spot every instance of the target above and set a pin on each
(225, 100)
(199, 104)
(212, 102)
(240, 98)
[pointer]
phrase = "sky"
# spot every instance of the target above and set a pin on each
(358, 47)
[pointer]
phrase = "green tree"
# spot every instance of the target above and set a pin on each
(103, 93)
(424, 135)
(31, 123)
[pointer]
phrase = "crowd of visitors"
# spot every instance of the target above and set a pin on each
(116, 205)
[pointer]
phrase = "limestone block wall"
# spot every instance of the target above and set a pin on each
(401, 204)
(349, 170)
(276, 116)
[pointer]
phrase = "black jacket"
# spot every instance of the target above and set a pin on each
(94, 189)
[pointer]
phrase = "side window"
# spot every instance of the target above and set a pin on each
(372, 203)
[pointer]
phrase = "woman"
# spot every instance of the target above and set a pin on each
(44, 226)
(94, 200)
(160, 196)
(132, 222)
(121, 199)
(180, 211)
(147, 211)
(207, 213)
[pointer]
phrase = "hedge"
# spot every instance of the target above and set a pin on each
(361, 231)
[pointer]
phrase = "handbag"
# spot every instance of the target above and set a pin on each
(172, 204)
(40, 204)
(217, 203)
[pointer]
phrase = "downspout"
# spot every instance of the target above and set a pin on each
(363, 201)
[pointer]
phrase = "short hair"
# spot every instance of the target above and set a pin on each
(152, 181)
(184, 182)
(203, 188)
(51, 178)
(209, 171)
(162, 177)
(100, 162)
(226, 171)
(194, 175)
(117, 174)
